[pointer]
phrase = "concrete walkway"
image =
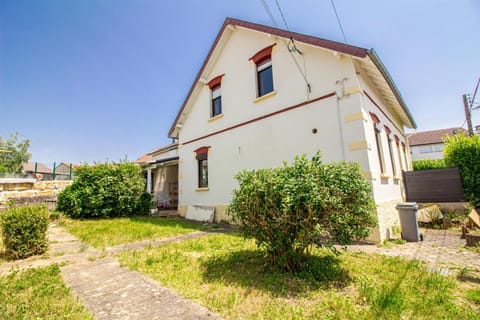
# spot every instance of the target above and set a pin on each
(110, 291)
(442, 250)
(114, 292)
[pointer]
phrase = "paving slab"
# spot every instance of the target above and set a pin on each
(440, 249)
(111, 291)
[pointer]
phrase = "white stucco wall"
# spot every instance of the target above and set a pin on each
(430, 151)
(344, 127)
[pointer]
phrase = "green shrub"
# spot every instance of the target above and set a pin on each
(105, 190)
(290, 209)
(24, 231)
(464, 151)
(426, 164)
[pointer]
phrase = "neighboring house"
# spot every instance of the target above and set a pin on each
(161, 166)
(42, 171)
(430, 144)
(64, 171)
(264, 95)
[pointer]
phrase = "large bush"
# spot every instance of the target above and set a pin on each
(105, 190)
(463, 151)
(290, 209)
(426, 164)
(24, 231)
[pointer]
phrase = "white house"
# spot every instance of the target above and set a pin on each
(430, 144)
(264, 95)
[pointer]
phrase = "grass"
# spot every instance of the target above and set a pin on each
(228, 275)
(101, 233)
(38, 294)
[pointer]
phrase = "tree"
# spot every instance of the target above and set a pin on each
(290, 209)
(464, 151)
(13, 153)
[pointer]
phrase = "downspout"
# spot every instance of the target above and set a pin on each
(54, 171)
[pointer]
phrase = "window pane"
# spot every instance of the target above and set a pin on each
(203, 173)
(265, 81)
(216, 106)
(426, 149)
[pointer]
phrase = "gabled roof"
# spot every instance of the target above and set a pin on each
(149, 157)
(369, 62)
(41, 168)
(432, 136)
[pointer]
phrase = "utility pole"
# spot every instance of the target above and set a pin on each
(468, 115)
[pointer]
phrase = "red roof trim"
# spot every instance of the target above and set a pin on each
(263, 54)
(397, 140)
(215, 81)
(319, 42)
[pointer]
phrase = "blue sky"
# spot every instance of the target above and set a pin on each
(97, 80)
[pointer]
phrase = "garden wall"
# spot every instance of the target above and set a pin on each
(31, 193)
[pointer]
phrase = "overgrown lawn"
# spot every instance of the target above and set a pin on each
(101, 233)
(227, 274)
(38, 294)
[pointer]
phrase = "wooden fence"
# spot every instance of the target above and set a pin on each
(434, 185)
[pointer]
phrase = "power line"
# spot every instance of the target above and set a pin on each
(281, 14)
(267, 9)
(339, 22)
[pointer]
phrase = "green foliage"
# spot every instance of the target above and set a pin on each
(38, 293)
(426, 164)
(13, 153)
(105, 190)
(24, 231)
(464, 151)
(292, 208)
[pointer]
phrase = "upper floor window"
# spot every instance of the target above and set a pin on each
(264, 77)
(264, 72)
(215, 86)
(216, 101)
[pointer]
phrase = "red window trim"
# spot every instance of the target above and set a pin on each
(263, 54)
(387, 130)
(397, 140)
(374, 118)
(202, 150)
(215, 81)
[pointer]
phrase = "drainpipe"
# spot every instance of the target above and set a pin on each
(54, 169)
(35, 171)
(70, 175)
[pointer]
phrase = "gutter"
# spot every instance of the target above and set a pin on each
(381, 67)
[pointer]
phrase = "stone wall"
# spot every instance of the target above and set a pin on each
(41, 192)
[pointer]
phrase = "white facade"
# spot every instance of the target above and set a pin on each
(337, 117)
(428, 151)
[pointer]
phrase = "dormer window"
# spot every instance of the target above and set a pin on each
(264, 73)
(215, 86)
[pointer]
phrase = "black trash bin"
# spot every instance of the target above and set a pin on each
(409, 221)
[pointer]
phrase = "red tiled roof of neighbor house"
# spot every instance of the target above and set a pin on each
(431, 137)
(41, 168)
(319, 42)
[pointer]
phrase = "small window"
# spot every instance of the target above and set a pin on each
(426, 149)
(216, 101)
(378, 140)
(215, 86)
(203, 173)
(202, 160)
(264, 77)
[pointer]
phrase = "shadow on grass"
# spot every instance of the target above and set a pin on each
(247, 268)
